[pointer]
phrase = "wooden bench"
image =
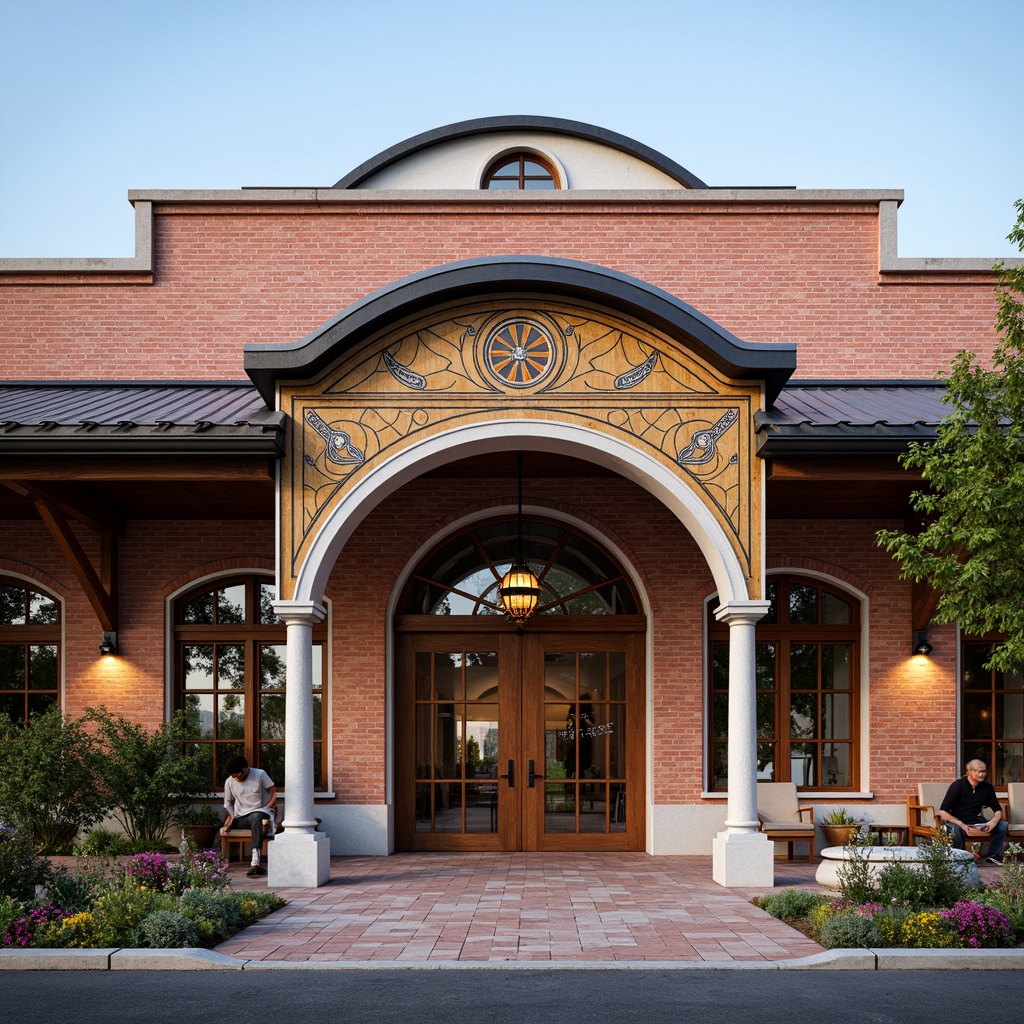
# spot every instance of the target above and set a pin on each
(242, 837)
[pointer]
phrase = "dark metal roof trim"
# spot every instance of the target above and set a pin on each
(159, 418)
(850, 418)
(837, 419)
(770, 362)
(520, 122)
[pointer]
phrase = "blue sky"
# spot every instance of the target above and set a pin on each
(102, 96)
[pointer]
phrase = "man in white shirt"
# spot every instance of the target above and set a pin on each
(250, 799)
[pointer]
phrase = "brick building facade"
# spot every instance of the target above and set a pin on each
(151, 458)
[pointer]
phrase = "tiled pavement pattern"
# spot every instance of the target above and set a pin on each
(522, 907)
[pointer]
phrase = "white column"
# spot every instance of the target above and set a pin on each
(742, 854)
(299, 856)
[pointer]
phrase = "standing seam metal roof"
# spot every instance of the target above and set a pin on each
(810, 417)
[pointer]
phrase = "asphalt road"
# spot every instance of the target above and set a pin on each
(512, 996)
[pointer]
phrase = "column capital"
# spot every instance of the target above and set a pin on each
(742, 611)
(300, 612)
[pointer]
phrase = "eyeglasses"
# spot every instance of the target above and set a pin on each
(978, 771)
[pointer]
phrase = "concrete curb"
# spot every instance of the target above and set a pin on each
(210, 960)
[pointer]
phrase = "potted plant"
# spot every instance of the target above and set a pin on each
(839, 827)
(200, 824)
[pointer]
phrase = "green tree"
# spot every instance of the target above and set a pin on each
(47, 778)
(149, 778)
(971, 549)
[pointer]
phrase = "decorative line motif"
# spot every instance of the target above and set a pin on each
(701, 449)
(640, 373)
(340, 449)
(410, 378)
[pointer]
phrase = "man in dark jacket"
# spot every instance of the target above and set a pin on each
(962, 810)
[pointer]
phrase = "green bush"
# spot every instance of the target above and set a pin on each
(48, 778)
(21, 870)
(789, 904)
(849, 930)
(103, 842)
(72, 893)
(899, 884)
(168, 929)
(10, 910)
(856, 877)
(149, 779)
(216, 915)
(945, 878)
(256, 905)
(121, 908)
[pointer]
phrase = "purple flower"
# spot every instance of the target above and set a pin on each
(979, 925)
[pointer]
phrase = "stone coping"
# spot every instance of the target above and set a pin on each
(209, 960)
(887, 853)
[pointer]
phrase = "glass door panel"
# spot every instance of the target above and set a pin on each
(580, 713)
(502, 744)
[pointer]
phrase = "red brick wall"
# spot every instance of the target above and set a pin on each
(912, 701)
(225, 276)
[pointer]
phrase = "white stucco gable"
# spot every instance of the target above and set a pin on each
(460, 163)
(458, 155)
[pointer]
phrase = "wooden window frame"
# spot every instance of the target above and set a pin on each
(33, 635)
(785, 635)
(523, 157)
(252, 635)
(987, 748)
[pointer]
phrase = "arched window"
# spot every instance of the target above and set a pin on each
(520, 171)
(991, 713)
(461, 575)
(808, 666)
(230, 677)
(29, 651)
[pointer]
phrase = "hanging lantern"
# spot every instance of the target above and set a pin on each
(520, 592)
(519, 589)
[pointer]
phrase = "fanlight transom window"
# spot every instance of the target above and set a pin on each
(461, 576)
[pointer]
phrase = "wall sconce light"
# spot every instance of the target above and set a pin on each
(520, 589)
(921, 645)
(108, 644)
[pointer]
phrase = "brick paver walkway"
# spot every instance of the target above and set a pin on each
(524, 907)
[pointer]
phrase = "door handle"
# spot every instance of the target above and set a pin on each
(511, 775)
(532, 776)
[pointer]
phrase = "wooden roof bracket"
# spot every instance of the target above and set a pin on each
(99, 586)
(923, 600)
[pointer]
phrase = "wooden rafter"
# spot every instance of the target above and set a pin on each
(100, 587)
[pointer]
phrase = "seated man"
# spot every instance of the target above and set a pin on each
(250, 799)
(962, 810)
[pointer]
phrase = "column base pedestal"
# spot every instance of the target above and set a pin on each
(743, 859)
(299, 860)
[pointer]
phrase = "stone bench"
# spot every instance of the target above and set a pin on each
(833, 858)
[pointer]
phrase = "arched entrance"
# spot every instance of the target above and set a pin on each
(536, 354)
(519, 739)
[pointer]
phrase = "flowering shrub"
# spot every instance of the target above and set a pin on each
(79, 931)
(928, 929)
(149, 871)
(21, 932)
(979, 926)
(199, 869)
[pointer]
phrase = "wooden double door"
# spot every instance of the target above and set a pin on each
(520, 742)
